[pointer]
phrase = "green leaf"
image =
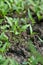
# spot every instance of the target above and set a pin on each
(9, 20)
(13, 62)
(5, 47)
(30, 17)
(32, 60)
(3, 37)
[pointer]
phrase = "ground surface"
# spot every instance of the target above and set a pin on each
(21, 48)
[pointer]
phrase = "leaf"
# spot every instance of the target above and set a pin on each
(30, 17)
(5, 47)
(9, 20)
(32, 60)
(8, 3)
(3, 37)
(2, 59)
(13, 62)
(4, 27)
(5, 62)
(25, 27)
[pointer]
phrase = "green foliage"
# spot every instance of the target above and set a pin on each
(16, 27)
(10, 5)
(20, 7)
(36, 56)
(3, 37)
(30, 16)
(34, 52)
(32, 61)
(40, 39)
(36, 7)
(6, 61)
(13, 62)
(4, 40)
(1, 20)
(5, 47)
(3, 7)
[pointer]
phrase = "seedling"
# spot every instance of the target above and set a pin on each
(16, 28)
